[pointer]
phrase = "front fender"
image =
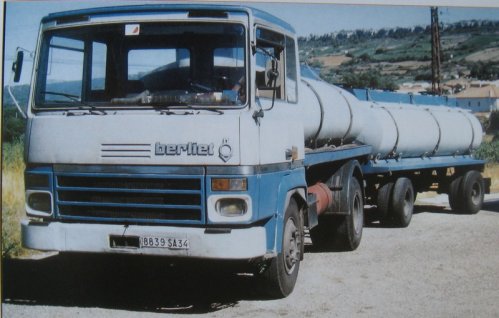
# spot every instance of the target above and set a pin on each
(292, 184)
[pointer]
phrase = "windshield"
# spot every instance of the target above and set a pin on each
(143, 64)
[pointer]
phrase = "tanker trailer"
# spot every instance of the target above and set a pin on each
(412, 148)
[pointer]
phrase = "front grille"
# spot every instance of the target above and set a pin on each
(135, 198)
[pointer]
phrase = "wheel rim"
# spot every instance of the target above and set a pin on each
(476, 193)
(291, 246)
(408, 203)
(357, 214)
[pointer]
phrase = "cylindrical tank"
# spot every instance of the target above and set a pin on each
(333, 116)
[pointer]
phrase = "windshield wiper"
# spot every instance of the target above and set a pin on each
(92, 110)
(215, 110)
(74, 98)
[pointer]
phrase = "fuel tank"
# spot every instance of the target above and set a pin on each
(334, 116)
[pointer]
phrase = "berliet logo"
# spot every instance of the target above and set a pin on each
(194, 149)
(225, 150)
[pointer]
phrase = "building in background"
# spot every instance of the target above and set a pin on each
(479, 98)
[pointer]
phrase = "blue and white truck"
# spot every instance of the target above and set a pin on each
(189, 131)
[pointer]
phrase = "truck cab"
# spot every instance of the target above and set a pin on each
(169, 130)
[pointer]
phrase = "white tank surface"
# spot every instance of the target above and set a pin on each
(333, 116)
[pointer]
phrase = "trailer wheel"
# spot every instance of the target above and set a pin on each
(455, 200)
(471, 191)
(279, 277)
(384, 197)
(402, 203)
(342, 232)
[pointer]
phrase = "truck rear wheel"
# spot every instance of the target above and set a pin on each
(279, 277)
(402, 203)
(342, 233)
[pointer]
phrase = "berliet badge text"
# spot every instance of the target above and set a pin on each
(194, 149)
(190, 149)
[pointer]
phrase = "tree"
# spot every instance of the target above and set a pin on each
(372, 80)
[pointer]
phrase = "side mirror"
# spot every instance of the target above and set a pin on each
(271, 72)
(17, 66)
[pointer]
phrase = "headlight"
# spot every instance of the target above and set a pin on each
(38, 203)
(231, 207)
(229, 184)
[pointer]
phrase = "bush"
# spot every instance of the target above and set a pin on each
(423, 77)
(493, 121)
(365, 57)
(488, 151)
(372, 80)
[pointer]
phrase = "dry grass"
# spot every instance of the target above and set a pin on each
(12, 198)
(332, 60)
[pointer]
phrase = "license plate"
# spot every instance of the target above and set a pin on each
(164, 242)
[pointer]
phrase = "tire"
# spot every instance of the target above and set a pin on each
(279, 278)
(344, 232)
(402, 203)
(455, 200)
(384, 196)
(471, 192)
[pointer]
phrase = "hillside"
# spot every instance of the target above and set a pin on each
(470, 49)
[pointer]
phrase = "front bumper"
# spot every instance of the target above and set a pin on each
(235, 244)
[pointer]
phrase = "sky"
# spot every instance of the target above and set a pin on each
(22, 19)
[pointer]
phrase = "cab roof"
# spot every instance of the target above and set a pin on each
(81, 15)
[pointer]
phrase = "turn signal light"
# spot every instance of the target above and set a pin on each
(229, 184)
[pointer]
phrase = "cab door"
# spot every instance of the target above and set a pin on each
(276, 97)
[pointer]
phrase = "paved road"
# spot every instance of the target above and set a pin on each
(443, 265)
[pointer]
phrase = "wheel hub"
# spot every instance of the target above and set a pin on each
(357, 210)
(291, 246)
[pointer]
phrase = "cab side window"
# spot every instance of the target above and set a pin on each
(269, 64)
(291, 70)
(276, 71)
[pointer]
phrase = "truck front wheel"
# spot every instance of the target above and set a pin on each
(279, 277)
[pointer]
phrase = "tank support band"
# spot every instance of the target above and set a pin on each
(394, 150)
(439, 132)
(322, 111)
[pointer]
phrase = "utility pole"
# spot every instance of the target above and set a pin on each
(435, 52)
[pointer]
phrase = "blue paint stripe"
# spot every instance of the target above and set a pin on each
(405, 164)
(336, 154)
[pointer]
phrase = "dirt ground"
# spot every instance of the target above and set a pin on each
(487, 55)
(443, 265)
(332, 60)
